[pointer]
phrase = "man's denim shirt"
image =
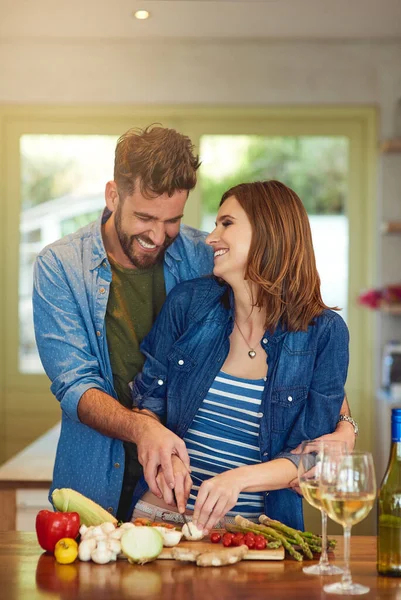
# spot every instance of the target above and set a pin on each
(71, 287)
(304, 387)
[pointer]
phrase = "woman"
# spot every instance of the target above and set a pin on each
(246, 364)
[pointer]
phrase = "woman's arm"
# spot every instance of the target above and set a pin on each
(344, 431)
(326, 393)
(219, 494)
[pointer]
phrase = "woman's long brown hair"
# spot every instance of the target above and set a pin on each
(281, 258)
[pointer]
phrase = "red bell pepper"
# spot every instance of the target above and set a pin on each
(52, 526)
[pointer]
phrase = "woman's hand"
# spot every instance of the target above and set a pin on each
(216, 497)
(183, 483)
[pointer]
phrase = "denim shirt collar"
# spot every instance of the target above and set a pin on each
(227, 312)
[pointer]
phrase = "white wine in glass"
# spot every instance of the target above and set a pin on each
(348, 492)
(309, 469)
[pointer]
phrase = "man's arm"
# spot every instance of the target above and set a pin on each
(156, 444)
(65, 342)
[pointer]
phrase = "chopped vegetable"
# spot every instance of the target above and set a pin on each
(142, 544)
(192, 533)
(53, 526)
(90, 513)
(171, 537)
(66, 551)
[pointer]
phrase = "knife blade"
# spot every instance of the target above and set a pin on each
(184, 518)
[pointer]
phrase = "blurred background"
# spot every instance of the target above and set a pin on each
(304, 91)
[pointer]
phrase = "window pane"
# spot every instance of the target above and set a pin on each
(316, 168)
(62, 189)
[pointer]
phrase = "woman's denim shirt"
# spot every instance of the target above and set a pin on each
(304, 389)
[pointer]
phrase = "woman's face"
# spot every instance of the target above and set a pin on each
(231, 241)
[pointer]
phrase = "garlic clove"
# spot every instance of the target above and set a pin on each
(193, 534)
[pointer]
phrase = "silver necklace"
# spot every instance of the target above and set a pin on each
(252, 352)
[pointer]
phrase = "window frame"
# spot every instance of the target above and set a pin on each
(357, 123)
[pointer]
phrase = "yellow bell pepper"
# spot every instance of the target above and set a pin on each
(66, 551)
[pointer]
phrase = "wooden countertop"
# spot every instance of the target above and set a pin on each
(28, 574)
(32, 468)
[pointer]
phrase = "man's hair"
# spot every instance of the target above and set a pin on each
(161, 158)
(281, 259)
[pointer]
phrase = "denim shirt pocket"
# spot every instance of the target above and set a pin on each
(180, 361)
(287, 404)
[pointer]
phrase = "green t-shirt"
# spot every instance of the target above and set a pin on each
(135, 299)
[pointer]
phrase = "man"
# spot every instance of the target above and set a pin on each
(96, 295)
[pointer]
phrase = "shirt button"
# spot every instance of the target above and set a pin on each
(265, 340)
(160, 381)
(110, 509)
(98, 333)
(117, 465)
(104, 264)
(102, 290)
(265, 454)
(180, 362)
(289, 398)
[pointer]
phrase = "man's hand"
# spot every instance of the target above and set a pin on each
(343, 433)
(156, 447)
(183, 483)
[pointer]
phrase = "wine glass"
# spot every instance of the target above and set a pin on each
(348, 492)
(309, 470)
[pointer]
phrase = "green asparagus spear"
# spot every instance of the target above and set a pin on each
(242, 522)
(288, 531)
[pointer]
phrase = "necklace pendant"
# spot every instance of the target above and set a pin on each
(251, 353)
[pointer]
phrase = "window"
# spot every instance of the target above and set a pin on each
(315, 167)
(62, 189)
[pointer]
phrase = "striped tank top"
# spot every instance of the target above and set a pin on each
(225, 434)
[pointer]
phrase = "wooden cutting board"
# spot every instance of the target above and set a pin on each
(205, 546)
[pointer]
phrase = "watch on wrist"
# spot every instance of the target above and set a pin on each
(349, 420)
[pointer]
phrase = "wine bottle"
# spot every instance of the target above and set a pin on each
(389, 508)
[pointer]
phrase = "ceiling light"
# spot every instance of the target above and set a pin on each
(141, 14)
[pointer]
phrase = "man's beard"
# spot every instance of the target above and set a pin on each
(127, 242)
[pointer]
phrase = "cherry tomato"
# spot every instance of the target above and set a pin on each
(238, 539)
(215, 537)
(259, 537)
(249, 540)
(227, 539)
(260, 544)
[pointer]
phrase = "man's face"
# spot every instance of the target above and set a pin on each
(146, 227)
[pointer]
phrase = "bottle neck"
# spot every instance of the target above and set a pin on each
(395, 431)
(395, 452)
